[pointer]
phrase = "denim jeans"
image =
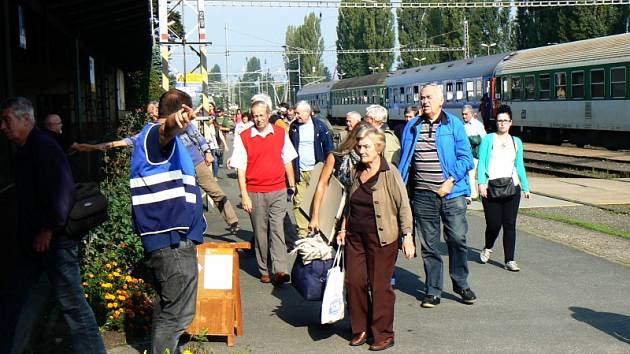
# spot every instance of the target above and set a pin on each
(428, 210)
(62, 269)
(215, 163)
(175, 274)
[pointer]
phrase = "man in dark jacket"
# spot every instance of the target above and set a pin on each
(46, 193)
(313, 142)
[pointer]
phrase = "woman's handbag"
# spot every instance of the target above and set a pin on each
(333, 304)
(501, 188)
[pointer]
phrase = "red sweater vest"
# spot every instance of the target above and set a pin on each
(265, 168)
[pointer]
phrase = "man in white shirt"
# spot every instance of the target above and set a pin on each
(475, 132)
(262, 156)
(312, 140)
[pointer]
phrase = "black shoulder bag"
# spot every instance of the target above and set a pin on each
(89, 211)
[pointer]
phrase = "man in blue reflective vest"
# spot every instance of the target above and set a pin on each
(168, 216)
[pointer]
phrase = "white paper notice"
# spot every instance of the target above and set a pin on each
(218, 272)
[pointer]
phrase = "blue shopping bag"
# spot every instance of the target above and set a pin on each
(310, 279)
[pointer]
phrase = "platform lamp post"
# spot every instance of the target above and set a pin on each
(488, 46)
(420, 60)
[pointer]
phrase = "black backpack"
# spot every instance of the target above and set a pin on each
(89, 211)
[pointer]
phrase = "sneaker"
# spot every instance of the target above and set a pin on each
(484, 255)
(468, 296)
(430, 301)
(512, 266)
(234, 228)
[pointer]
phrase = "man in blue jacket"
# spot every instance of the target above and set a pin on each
(435, 161)
(313, 142)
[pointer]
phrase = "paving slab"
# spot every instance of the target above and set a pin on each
(563, 301)
(582, 190)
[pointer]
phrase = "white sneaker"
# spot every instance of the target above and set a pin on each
(512, 266)
(484, 256)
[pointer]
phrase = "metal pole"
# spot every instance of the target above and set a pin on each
(203, 62)
(163, 19)
(227, 70)
(299, 73)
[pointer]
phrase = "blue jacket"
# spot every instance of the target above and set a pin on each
(323, 143)
(453, 151)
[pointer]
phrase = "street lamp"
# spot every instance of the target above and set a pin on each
(488, 46)
(419, 60)
(373, 68)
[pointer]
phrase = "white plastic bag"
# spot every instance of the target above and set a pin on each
(333, 303)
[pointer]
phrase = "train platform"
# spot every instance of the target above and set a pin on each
(563, 300)
(619, 156)
(551, 192)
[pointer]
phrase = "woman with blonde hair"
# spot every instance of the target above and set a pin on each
(378, 213)
(339, 163)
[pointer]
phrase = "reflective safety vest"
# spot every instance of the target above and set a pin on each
(163, 193)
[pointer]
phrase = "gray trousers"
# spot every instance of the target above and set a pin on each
(267, 216)
(175, 273)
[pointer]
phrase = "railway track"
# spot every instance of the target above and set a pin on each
(561, 165)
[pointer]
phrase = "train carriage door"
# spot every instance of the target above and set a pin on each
(416, 94)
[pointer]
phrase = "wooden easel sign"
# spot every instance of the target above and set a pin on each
(219, 291)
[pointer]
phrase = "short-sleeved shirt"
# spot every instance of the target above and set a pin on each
(239, 155)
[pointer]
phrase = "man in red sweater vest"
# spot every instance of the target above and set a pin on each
(262, 156)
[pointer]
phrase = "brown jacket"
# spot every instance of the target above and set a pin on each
(391, 204)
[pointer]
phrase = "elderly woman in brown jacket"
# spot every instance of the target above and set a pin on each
(378, 215)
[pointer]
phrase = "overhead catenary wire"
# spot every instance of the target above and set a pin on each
(410, 4)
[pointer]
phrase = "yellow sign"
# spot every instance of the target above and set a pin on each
(191, 78)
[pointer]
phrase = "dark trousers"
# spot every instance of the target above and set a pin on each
(370, 266)
(429, 211)
(61, 266)
(175, 273)
(501, 213)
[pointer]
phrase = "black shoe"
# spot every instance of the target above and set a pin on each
(468, 296)
(234, 228)
(430, 301)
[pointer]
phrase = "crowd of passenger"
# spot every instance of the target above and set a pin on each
(416, 179)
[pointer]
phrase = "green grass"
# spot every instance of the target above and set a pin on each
(581, 223)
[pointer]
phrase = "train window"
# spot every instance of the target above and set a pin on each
(561, 86)
(470, 90)
(506, 89)
(416, 93)
(597, 83)
(517, 88)
(479, 90)
(449, 92)
(365, 96)
(408, 95)
(577, 84)
(459, 86)
(544, 85)
(618, 82)
(530, 87)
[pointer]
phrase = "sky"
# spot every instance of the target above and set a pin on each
(254, 28)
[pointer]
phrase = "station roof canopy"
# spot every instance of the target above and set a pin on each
(117, 29)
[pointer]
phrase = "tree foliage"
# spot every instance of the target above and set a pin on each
(215, 73)
(363, 28)
(307, 36)
(542, 26)
(432, 27)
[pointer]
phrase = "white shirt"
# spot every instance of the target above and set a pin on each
(475, 127)
(502, 160)
(210, 134)
(239, 154)
(306, 146)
